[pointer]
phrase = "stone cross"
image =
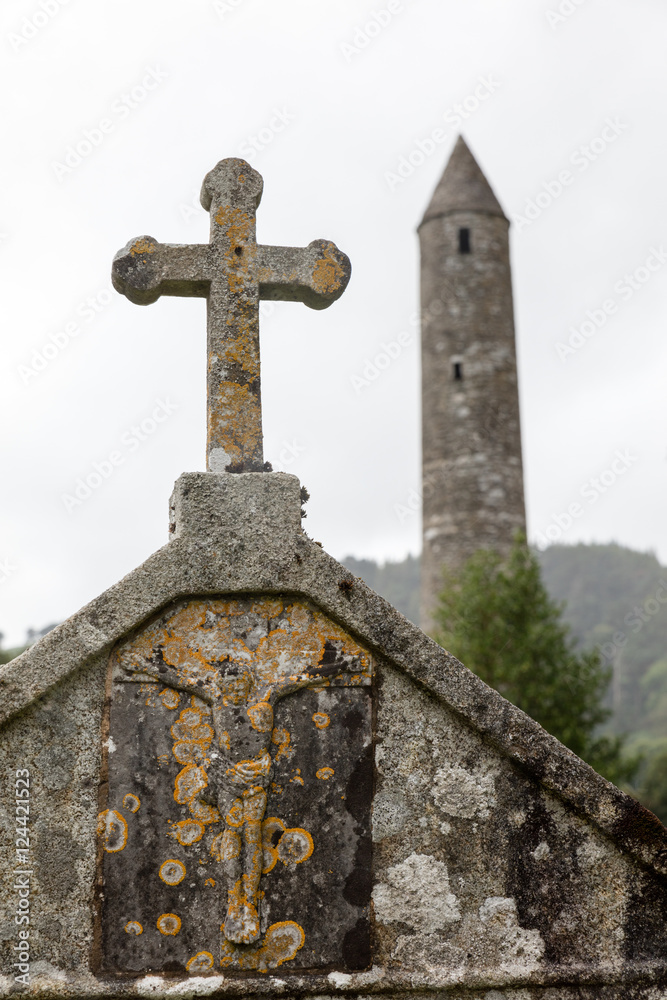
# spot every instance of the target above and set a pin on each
(232, 272)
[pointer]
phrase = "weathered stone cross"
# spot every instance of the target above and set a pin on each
(233, 273)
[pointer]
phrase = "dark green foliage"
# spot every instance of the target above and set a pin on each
(498, 619)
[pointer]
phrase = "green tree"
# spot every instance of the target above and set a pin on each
(8, 654)
(498, 619)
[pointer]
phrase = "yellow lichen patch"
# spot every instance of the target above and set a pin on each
(131, 802)
(133, 927)
(282, 739)
(226, 846)
(224, 741)
(245, 772)
(281, 943)
(112, 828)
(243, 352)
(142, 246)
(170, 699)
(327, 273)
(169, 924)
(235, 423)
(187, 752)
(188, 831)
(261, 716)
(270, 609)
(235, 815)
(294, 846)
(297, 777)
(188, 618)
(189, 782)
(272, 830)
(203, 812)
(325, 773)
(201, 962)
(210, 882)
(191, 728)
(236, 690)
(321, 720)
(172, 872)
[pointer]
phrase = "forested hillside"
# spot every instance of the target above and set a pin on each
(614, 599)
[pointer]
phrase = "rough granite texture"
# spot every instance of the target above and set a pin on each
(472, 473)
(503, 867)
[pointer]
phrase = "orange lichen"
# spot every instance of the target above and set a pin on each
(170, 699)
(282, 739)
(295, 846)
(112, 828)
(297, 777)
(188, 831)
(321, 720)
(327, 273)
(133, 927)
(325, 773)
(172, 871)
(189, 782)
(203, 812)
(201, 962)
(210, 882)
(235, 422)
(281, 943)
(261, 716)
(131, 802)
(142, 246)
(226, 846)
(169, 924)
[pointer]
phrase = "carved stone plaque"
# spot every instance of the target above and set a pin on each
(235, 833)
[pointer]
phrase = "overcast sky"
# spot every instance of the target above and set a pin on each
(113, 113)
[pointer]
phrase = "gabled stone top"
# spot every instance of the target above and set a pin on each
(241, 534)
(462, 187)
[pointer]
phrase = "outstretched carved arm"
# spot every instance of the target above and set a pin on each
(167, 675)
(333, 663)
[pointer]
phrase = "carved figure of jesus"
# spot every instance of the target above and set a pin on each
(242, 697)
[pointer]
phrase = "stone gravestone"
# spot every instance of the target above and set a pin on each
(239, 772)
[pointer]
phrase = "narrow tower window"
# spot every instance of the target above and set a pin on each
(464, 241)
(458, 371)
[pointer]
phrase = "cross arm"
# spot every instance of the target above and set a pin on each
(316, 275)
(145, 269)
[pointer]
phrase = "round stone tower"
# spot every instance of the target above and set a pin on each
(472, 476)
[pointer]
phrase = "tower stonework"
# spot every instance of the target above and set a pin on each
(472, 483)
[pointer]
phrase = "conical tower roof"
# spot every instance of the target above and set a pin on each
(462, 187)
